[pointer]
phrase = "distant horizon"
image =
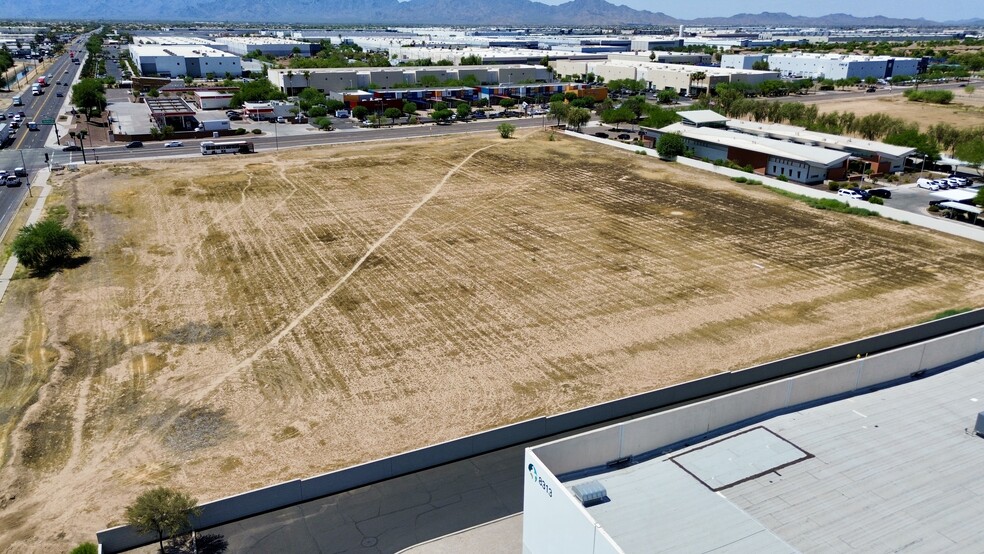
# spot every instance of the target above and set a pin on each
(904, 9)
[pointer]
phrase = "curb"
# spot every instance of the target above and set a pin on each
(41, 181)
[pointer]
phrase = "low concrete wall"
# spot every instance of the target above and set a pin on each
(632, 437)
(658, 431)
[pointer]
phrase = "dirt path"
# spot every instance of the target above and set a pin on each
(220, 378)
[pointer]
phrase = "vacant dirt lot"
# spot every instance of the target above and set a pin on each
(245, 320)
(967, 110)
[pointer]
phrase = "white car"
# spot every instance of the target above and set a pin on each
(931, 185)
(848, 193)
(957, 182)
(173, 144)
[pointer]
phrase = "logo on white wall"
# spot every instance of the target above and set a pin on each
(539, 480)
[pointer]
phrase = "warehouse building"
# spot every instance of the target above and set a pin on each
(858, 457)
(742, 61)
(355, 78)
(178, 61)
(491, 55)
(660, 76)
(682, 58)
(269, 46)
(841, 66)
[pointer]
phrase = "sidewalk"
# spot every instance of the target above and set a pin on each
(40, 183)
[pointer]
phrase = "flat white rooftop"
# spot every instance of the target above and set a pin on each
(888, 471)
(799, 134)
(769, 146)
(179, 50)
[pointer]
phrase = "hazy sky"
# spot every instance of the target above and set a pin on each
(937, 11)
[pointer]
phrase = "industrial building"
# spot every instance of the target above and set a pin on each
(871, 455)
(212, 100)
(356, 78)
(660, 76)
(742, 61)
(682, 58)
(184, 60)
(841, 66)
(780, 150)
(491, 55)
(270, 46)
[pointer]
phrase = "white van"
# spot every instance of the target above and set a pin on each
(927, 184)
(17, 101)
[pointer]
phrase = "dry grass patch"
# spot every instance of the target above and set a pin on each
(310, 309)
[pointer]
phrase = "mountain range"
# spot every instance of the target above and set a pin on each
(413, 12)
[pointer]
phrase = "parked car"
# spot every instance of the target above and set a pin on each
(72, 148)
(173, 144)
(956, 182)
(880, 193)
(134, 144)
(11, 180)
(928, 184)
(20, 172)
(942, 183)
(601, 134)
(850, 193)
(624, 136)
(479, 115)
(864, 194)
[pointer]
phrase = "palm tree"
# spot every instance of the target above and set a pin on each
(307, 78)
(699, 77)
(290, 83)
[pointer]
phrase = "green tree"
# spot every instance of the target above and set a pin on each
(670, 145)
(471, 60)
(90, 95)
(360, 113)
(163, 511)
(972, 152)
(761, 65)
(409, 108)
(257, 90)
(979, 199)
(44, 246)
(697, 77)
(666, 96)
(442, 115)
(912, 138)
(463, 110)
(507, 103)
(439, 106)
(577, 117)
(617, 116)
(393, 114)
(310, 96)
(506, 130)
(559, 110)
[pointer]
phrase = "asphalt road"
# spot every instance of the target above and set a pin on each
(46, 106)
(267, 143)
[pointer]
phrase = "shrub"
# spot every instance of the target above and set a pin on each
(934, 208)
(45, 245)
(748, 169)
(641, 152)
(740, 179)
(753, 182)
(783, 178)
(257, 132)
(506, 130)
(930, 96)
(876, 200)
(833, 186)
(240, 131)
(85, 548)
(670, 145)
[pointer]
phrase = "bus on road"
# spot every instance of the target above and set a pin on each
(231, 147)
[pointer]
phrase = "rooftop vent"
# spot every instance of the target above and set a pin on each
(979, 428)
(593, 493)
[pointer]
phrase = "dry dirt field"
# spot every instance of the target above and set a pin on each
(967, 110)
(246, 320)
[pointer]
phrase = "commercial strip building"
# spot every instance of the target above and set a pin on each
(660, 76)
(292, 81)
(825, 462)
(184, 60)
(425, 97)
(830, 66)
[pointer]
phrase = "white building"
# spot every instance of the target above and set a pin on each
(857, 457)
(684, 58)
(491, 55)
(660, 76)
(277, 47)
(181, 60)
(742, 61)
(841, 66)
(212, 100)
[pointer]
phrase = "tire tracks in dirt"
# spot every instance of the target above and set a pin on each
(202, 393)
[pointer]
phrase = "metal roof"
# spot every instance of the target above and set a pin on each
(962, 207)
(168, 107)
(702, 117)
(956, 195)
(801, 135)
(891, 470)
(772, 147)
